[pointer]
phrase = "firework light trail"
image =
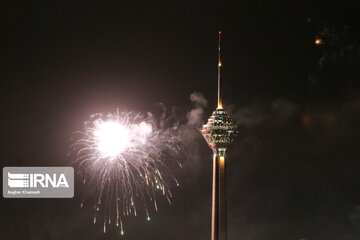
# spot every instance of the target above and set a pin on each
(125, 161)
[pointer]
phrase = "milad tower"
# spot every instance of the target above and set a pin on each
(219, 132)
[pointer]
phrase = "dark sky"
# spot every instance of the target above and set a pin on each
(293, 172)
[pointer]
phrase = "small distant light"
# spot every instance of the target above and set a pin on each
(122, 232)
(219, 32)
(148, 218)
(318, 41)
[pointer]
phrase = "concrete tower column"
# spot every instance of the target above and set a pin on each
(219, 216)
(222, 199)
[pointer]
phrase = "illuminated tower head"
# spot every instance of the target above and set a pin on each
(220, 131)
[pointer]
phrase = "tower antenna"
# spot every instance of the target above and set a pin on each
(219, 72)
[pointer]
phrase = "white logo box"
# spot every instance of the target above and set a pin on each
(38, 182)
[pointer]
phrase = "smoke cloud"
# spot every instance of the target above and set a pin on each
(195, 115)
(191, 138)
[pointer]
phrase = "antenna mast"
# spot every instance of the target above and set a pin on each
(219, 67)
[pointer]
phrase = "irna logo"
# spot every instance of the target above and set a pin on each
(19, 180)
(38, 182)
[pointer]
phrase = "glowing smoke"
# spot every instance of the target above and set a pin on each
(195, 115)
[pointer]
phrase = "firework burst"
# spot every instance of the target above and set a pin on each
(125, 159)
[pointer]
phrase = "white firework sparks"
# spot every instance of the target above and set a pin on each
(123, 158)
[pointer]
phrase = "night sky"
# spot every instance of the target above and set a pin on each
(294, 170)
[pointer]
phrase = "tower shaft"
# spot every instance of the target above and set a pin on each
(219, 216)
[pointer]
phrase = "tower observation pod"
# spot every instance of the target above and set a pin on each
(219, 132)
